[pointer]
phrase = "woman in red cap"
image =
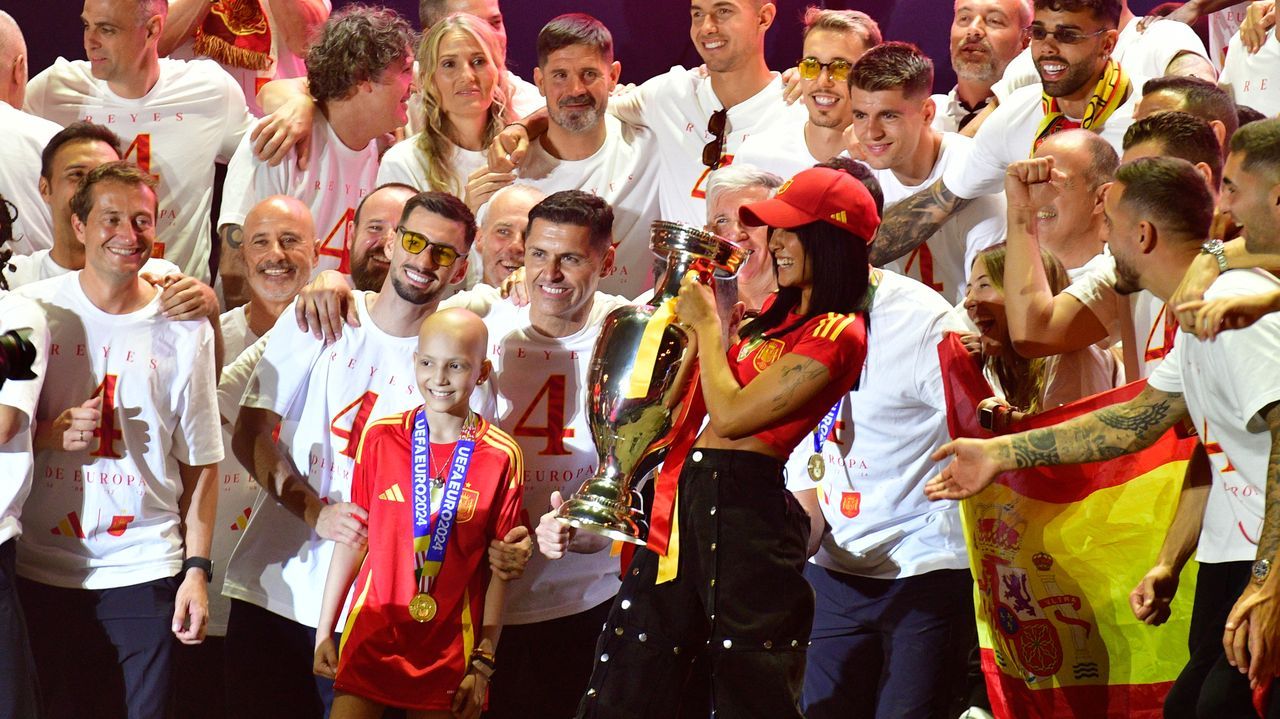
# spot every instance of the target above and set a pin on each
(738, 599)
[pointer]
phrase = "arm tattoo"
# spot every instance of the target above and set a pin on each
(792, 377)
(1269, 539)
(910, 222)
(1103, 434)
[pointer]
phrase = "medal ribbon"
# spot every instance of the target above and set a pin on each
(431, 533)
(824, 427)
(1108, 95)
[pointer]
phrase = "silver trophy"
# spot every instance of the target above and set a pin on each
(640, 382)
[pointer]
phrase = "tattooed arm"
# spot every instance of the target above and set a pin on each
(910, 222)
(1102, 434)
(1251, 638)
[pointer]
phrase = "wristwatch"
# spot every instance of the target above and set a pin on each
(198, 563)
(1214, 247)
(1261, 568)
(483, 663)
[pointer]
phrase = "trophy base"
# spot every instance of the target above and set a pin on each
(615, 523)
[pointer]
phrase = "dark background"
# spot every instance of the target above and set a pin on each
(650, 35)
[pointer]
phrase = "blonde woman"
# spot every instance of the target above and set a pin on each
(465, 100)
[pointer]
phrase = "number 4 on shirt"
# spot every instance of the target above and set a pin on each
(554, 390)
(360, 410)
(140, 152)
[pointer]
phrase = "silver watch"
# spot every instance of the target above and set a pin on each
(1215, 248)
(1261, 568)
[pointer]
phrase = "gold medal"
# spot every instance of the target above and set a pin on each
(422, 607)
(817, 467)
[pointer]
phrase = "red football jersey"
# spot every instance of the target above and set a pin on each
(838, 341)
(385, 654)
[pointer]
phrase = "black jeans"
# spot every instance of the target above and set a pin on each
(740, 604)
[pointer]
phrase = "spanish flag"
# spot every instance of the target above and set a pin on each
(1055, 552)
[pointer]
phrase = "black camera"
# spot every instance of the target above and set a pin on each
(17, 356)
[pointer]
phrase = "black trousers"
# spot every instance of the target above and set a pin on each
(543, 667)
(19, 696)
(268, 667)
(1209, 687)
(740, 604)
(103, 653)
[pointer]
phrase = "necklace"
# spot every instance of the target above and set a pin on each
(438, 475)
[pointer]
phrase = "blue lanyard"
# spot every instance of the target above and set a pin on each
(824, 427)
(431, 533)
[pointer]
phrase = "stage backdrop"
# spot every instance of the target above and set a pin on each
(651, 35)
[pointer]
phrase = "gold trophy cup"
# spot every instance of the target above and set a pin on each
(640, 382)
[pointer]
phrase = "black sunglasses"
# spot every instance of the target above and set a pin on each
(713, 152)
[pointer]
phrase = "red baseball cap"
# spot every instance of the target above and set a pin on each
(817, 194)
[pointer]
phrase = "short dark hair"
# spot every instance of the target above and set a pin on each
(1170, 193)
(571, 29)
(893, 66)
(575, 207)
(1107, 11)
(431, 12)
(121, 171)
(1247, 114)
(356, 44)
(861, 173)
(1259, 142)
(446, 206)
(1180, 134)
(80, 131)
(355, 219)
(1200, 98)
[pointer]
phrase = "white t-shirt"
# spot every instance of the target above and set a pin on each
(538, 394)
(237, 492)
(1227, 382)
(325, 394)
(16, 460)
(1143, 54)
(1254, 79)
(1224, 24)
(406, 162)
(677, 106)
(1009, 133)
(872, 493)
(622, 172)
(21, 143)
(1095, 289)
(950, 112)
(944, 260)
(108, 517)
(284, 63)
(39, 265)
(332, 185)
(193, 117)
(781, 150)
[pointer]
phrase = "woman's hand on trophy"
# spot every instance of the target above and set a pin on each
(554, 536)
(696, 305)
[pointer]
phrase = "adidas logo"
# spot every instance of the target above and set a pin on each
(392, 494)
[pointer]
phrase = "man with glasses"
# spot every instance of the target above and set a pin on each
(892, 133)
(699, 119)
(1081, 86)
(833, 42)
(321, 396)
(359, 102)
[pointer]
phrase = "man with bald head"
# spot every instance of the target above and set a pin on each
(985, 37)
(500, 242)
(23, 138)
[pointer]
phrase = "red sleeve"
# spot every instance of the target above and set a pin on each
(837, 341)
(366, 468)
(509, 501)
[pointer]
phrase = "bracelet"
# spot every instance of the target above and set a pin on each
(483, 663)
(515, 124)
(1216, 250)
(203, 563)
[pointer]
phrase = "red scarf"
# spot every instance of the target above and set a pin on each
(236, 33)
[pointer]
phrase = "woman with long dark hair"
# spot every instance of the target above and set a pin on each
(738, 599)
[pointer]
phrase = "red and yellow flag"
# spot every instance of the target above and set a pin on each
(1055, 552)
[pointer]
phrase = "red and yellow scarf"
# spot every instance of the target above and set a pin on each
(236, 33)
(1108, 94)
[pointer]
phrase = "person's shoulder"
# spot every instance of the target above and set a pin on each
(201, 71)
(1163, 34)
(909, 294)
(502, 445)
(47, 289)
(64, 72)
(18, 123)
(679, 80)
(1020, 100)
(379, 434)
(1235, 283)
(404, 151)
(16, 307)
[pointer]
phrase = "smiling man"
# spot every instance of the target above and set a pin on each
(321, 396)
(359, 101)
(891, 132)
(986, 35)
(500, 242)
(587, 149)
(833, 42)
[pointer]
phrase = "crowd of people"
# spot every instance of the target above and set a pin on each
(293, 441)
